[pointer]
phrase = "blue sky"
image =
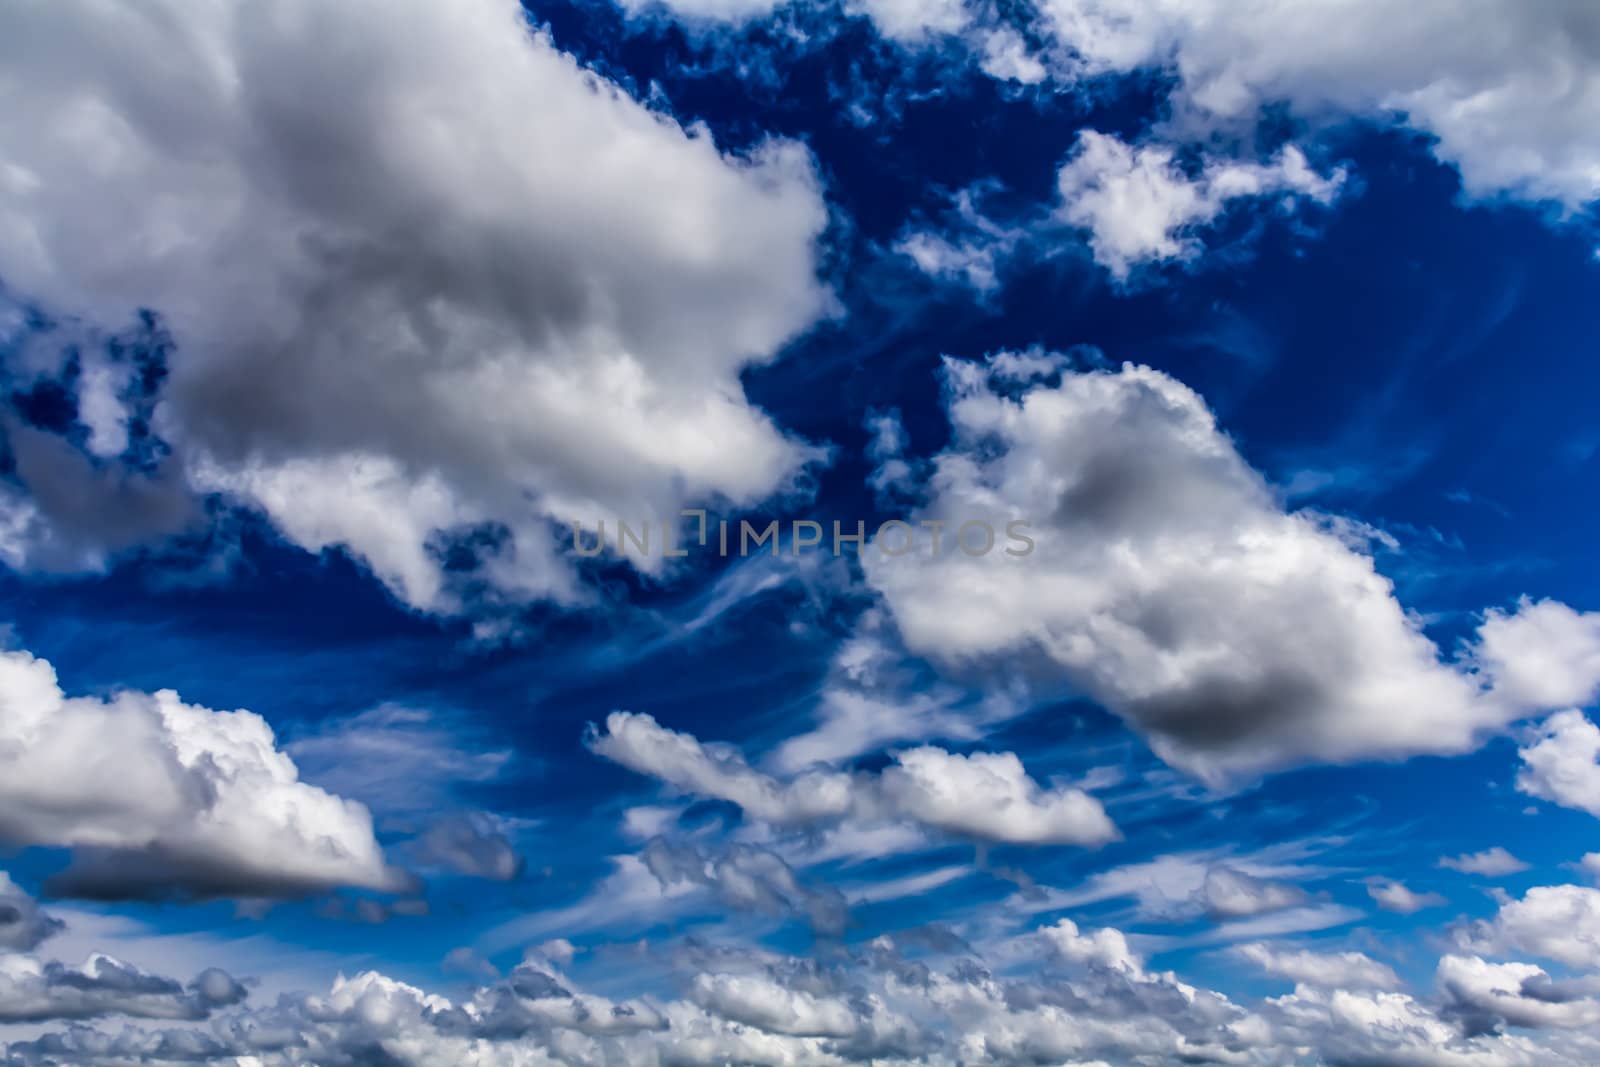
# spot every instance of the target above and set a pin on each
(322, 326)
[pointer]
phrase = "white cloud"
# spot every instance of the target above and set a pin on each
(405, 301)
(1095, 1004)
(1562, 764)
(1333, 970)
(1510, 992)
(1397, 897)
(1554, 922)
(1106, 947)
(987, 796)
(1491, 863)
(1139, 206)
(1508, 93)
(159, 796)
(758, 1001)
(1163, 576)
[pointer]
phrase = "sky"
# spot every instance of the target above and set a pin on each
(1053, 533)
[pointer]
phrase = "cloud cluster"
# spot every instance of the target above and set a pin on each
(984, 796)
(1139, 206)
(159, 797)
(1504, 94)
(1091, 999)
(429, 282)
(1163, 571)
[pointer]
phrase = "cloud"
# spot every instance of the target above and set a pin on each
(1106, 947)
(1329, 970)
(1162, 573)
(1503, 96)
(1139, 206)
(1396, 897)
(156, 796)
(76, 514)
(403, 301)
(1231, 894)
(761, 1002)
(469, 845)
(749, 878)
(1491, 863)
(23, 924)
(985, 796)
(1094, 1001)
(1562, 764)
(1554, 922)
(1519, 994)
(35, 991)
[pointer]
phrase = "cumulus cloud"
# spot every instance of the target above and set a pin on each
(1106, 947)
(1095, 1003)
(1139, 206)
(1491, 863)
(985, 796)
(1520, 994)
(157, 796)
(1561, 764)
(1163, 571)
(402, 299)
(1330, 970)
(1553, 922)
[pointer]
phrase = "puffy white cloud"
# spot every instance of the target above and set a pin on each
(155, 795)
(405, 302)
(1163, 578)
(1397, 897)
(1562, 764)
(987, 796)
(761, 1002)
(1553, 922)
(1517, 993)
(1138, 205)
(1545, 655)
(1507, 92)
(1330, 970)
(1106, 947)
(1491, 863)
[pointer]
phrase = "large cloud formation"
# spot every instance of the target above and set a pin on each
(1169, 583)
(1091, 999)
(1506, 91)
(425, 275)
(160, 797)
